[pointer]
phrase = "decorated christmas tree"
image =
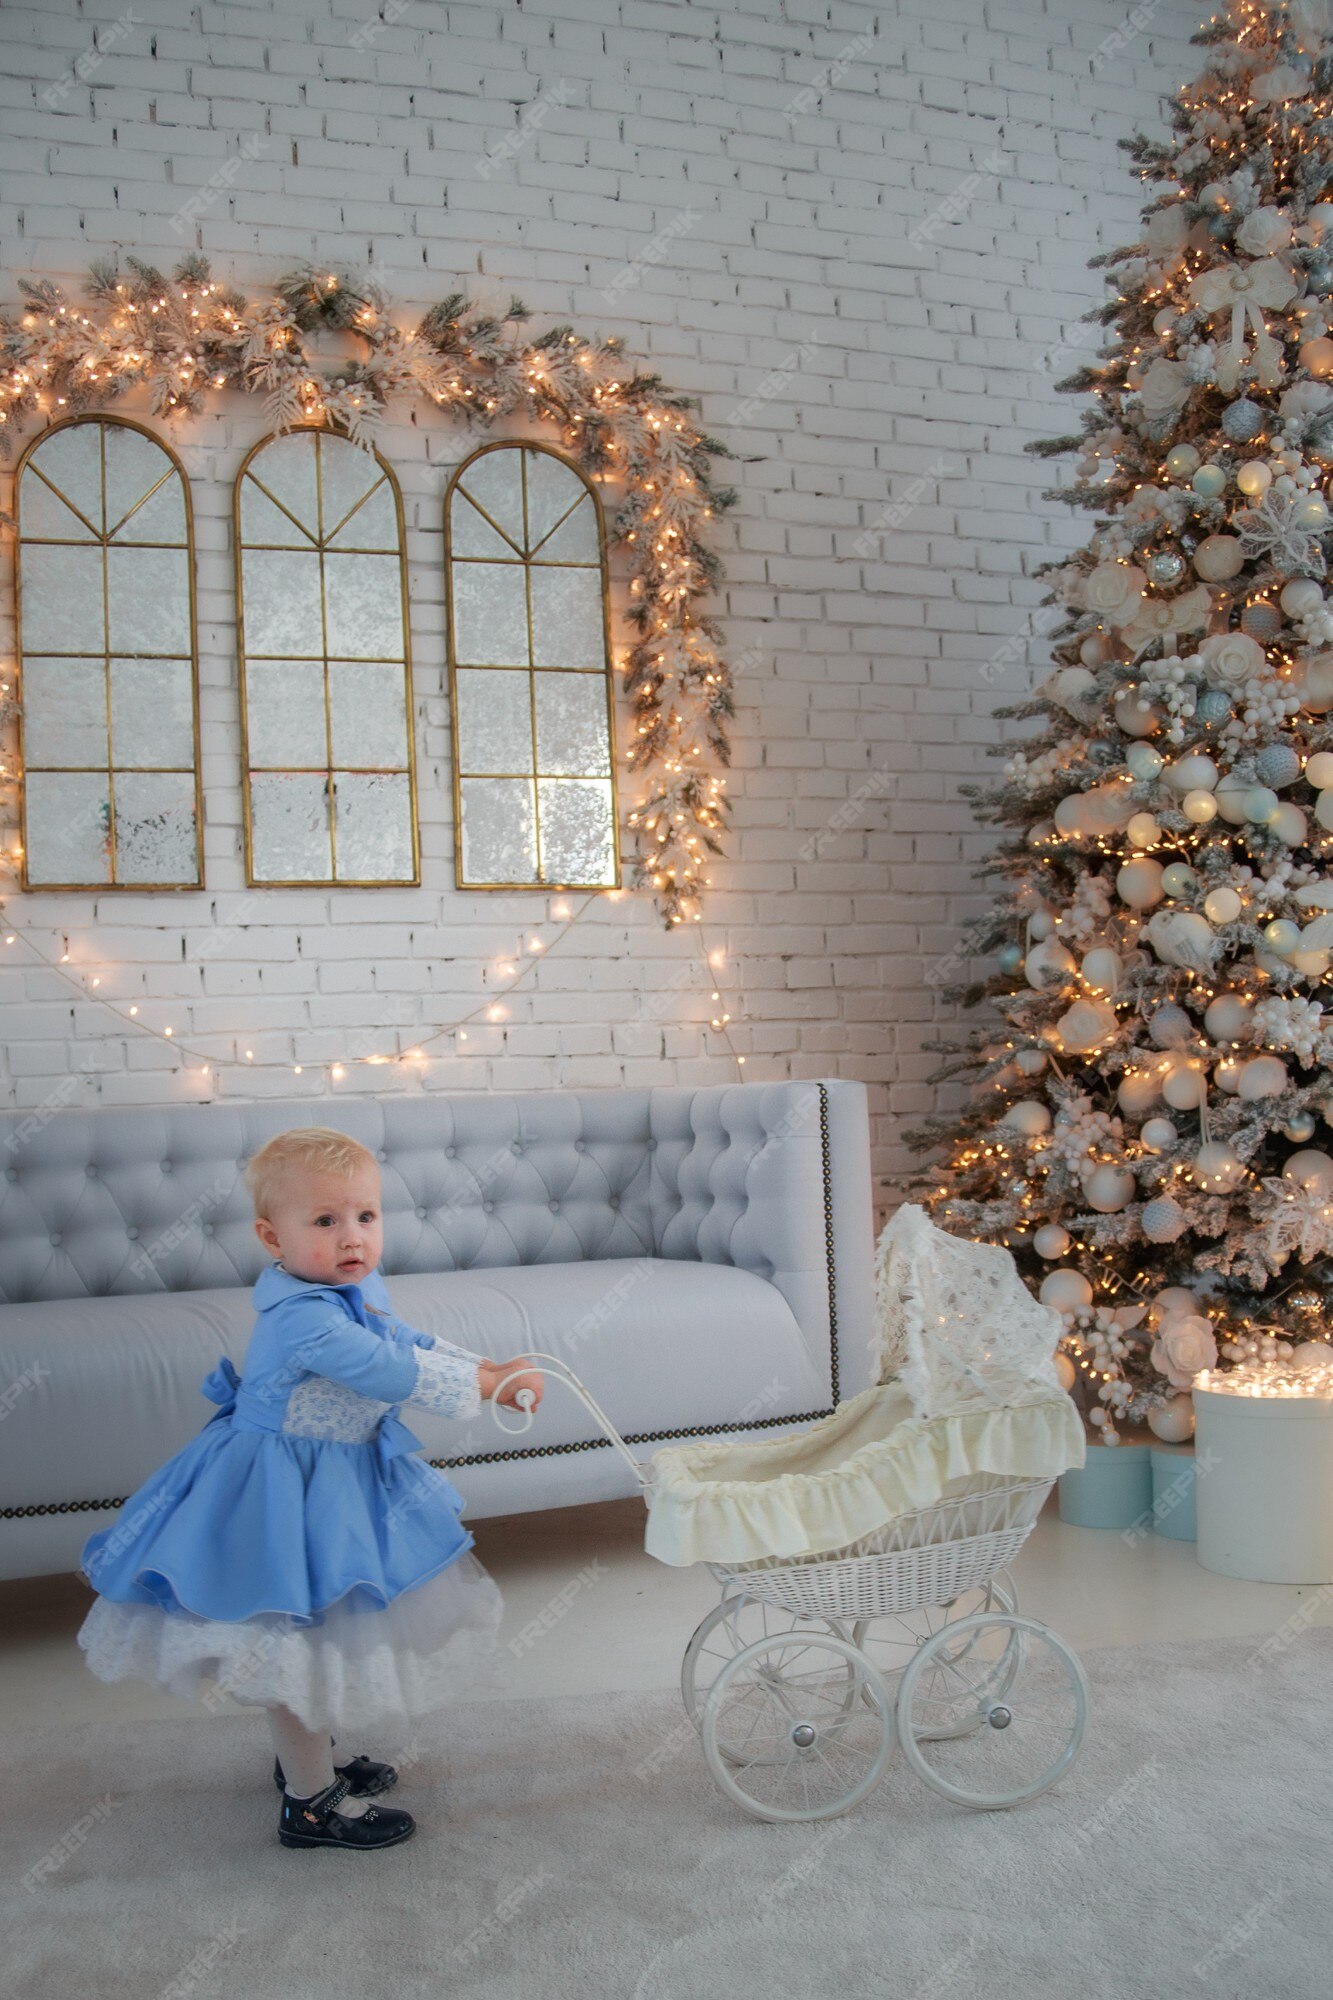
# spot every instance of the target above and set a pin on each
(1150, 1123)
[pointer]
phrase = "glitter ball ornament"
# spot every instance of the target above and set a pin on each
(1277, 765)
(1261, 621)
(1243, 421)
(1307, 1305)
(1166, 567)
(1213, 706)
(1164, 1220)
(1170, 1025)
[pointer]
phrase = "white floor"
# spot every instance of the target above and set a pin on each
(588, 1612)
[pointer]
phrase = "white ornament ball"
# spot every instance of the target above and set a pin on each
(1102, 969)
(1254, 478)
(1219, 557)
(1049, 964)
(1228, 1014)
(1228, 1074)
(1139, 883)
(1311, 1354)
(1065, 1290)
(1164, 1220)
(1135, 716)
(1173, 1422)
(1065, 1372)
(1323, 810)
(1170, 1026)
(1158, 1135)
(1193, 773)
(1299, 596)
(1319, 770)
(1231, 799)
(1109, 1189)
(1143, 830)
(1217, 1168)
(1261, 802)
(1051, 1241)
(1172, 1302)
(1283, 936)
(1030, 1062)
(1182, 937)
(1199, 807)
(1143, 761)
(1183, 1086)
(1222, 906)
(1137, 1091)
(1289, 825)
(1040, 925)
(1262, 1076)
(1311, 1169)
(1029, 1116)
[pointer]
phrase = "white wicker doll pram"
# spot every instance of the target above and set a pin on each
(861, 1560)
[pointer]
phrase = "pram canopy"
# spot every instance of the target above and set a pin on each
(967, 1388)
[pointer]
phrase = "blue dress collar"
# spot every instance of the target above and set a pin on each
(274, 1284)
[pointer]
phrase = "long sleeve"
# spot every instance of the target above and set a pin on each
(319, 1334)
(446, 1381)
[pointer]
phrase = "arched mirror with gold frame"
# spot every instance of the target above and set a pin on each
(109, 709)
(325, 666)
(530, 673)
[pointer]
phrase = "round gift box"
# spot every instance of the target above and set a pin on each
(1265, 1489)
(1173, 1496)
(1111, 1489)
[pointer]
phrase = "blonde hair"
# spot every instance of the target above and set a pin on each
(312, 1148)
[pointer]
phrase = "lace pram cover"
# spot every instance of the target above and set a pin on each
(955, 1324)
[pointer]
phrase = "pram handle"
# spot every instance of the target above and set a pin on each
(563, 1373)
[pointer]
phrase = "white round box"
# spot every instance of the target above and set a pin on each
(1265, 1486)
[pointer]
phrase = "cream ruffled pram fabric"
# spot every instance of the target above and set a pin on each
(967, 1389)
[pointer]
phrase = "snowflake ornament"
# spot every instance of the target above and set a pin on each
(1270, 529)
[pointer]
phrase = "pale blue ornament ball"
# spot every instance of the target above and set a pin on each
(1010, 957)
(1212, 706)
(1278, 765)
(1260, 804)
(1209, 481)
(1243, 420)
(1300, 1126)
(1178, 880)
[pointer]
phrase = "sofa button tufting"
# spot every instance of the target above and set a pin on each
(488, 1206)
(421, 1215)
(615, 1201)
(553, 1206)
(579, 1146)
(133, 1235)
(91, 1173)
(166, 1166)
(208, 1229)
(11, 1173)
(381, 1154)
(55, 1236)
(516, 1146)
(451, 1152)
(652, 1145)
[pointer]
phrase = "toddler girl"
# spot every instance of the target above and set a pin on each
(295, 1551)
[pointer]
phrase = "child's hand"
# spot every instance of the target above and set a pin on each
(489, 1373)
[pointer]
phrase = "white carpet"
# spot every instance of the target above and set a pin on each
(578, 1847)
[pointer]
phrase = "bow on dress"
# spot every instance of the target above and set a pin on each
(393, 1439)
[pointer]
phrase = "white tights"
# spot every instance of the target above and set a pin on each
(306, 1756)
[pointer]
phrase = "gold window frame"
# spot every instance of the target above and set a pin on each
(526, 561)
(105, 539)
(318, 432)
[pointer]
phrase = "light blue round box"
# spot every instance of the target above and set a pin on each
(1113, 1489)
(1173, 1470)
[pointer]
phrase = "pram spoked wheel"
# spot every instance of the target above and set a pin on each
(737, 1622)
(798, 1726)
(992, 1710)
(892, 1642)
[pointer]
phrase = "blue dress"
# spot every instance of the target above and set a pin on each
(295, 1550)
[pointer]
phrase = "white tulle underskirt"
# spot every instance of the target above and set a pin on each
(386, 1666)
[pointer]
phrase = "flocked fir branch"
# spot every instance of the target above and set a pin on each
(1143, 1125)
(186, 338)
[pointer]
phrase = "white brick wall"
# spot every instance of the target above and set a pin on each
(863, 703)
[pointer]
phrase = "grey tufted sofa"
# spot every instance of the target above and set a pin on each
(702, 1258)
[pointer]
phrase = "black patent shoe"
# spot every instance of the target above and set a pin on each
(315, 1822)
(364, 1776)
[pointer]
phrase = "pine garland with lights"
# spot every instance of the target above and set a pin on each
(187, 337)
(1143, 1130)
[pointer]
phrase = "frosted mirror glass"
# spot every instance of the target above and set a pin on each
(110, 677)
(325, 664)
(530, 673)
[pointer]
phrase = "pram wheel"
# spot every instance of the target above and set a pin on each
(992, 1710)
(798, 1727)
(892, 1641)
(728, 1629)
